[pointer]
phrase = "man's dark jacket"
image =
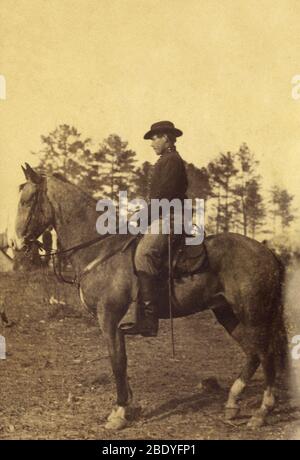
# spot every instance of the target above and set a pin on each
(169, 179)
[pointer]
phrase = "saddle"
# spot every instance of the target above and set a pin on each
(187, 260)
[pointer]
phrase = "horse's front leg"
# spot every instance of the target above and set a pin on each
(117, 352)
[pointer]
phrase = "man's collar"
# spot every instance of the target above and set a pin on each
(170, 149)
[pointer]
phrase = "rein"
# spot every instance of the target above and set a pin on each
(35, 211)
(58, 271)
(57, 266)
(86, 244)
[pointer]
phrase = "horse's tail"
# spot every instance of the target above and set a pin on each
(279, 341)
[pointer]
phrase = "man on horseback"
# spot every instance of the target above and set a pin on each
(169, 181)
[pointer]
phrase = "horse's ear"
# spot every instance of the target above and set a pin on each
(32, 175)
(24, 171)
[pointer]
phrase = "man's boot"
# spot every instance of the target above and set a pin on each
(147, 324)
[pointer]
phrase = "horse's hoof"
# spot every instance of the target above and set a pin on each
(231, 412)
(256, 422)
(112, 415)
(116, 423)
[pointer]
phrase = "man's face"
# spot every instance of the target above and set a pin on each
(159, 143)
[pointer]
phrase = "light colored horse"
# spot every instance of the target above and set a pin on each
(242, 287)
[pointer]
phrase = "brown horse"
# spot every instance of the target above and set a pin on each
(242, 287)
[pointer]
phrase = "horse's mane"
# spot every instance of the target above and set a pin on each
(62, 178)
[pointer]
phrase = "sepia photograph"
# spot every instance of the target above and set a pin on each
(149, 222)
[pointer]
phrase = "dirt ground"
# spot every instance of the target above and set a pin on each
(56, 382)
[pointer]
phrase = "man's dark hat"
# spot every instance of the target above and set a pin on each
(163, 127)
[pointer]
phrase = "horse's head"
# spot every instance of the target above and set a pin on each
(34, 212)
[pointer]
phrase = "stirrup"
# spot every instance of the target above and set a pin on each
(139, 328)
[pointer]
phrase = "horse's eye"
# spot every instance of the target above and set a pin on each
(27, 202)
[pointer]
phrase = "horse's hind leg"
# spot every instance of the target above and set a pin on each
(232, 406)
(117, 351)
(256, 339)
(268, 402)
(229, 321)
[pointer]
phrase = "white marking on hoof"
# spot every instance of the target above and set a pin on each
(116, 424)
(268, 400)
(235, 391)
(111, 415)
(117, 419)
(268, 403)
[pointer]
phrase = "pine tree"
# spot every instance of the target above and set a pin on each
(117, 166)
(65, 152)
(142, 180)
(281, 202)
(248, 201)
(222, 172)
(254, 207)
(198, 182)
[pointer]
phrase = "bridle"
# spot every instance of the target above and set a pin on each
(35, 211)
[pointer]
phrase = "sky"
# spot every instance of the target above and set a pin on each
(220, 70)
